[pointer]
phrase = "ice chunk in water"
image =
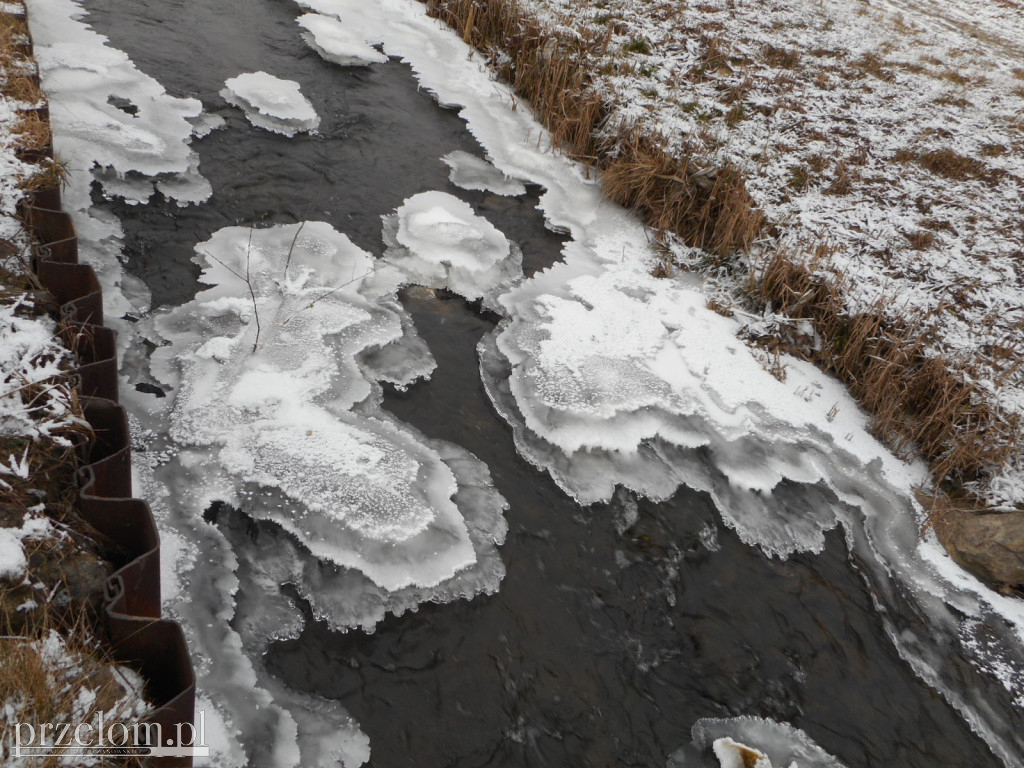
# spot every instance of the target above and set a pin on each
(337, 43)
(471, 172)
(271, 103)
(267, 383)
(346, 598)
(759, 742)
(435, 240)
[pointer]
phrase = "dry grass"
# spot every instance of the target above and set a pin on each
(18, 75)
(709, 209)
(49, 173)
(952, 165)
(32, 131)
(921, 239)
(41, 686)
(920, 403)
(15, 42)
(780, 58)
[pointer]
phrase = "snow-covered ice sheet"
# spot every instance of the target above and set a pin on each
(883, 141)
(337, 43)
(271, 103)
(437, 241)
(472, 172)
(131, 155)
(271, 401)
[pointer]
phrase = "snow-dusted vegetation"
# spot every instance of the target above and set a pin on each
(54, 665)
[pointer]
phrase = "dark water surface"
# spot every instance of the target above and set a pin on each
(605, 643)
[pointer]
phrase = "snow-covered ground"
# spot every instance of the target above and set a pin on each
(61, 676)
(884, 140)
(36, 408)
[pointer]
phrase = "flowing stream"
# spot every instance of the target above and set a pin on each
(618, 626)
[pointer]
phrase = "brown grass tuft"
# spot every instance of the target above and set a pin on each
(842, 180)
(920, 403)
(921, 240)
(43, 687)
(49, 174)
(780, 58)
(708, 209)
(952, 165)
(32, 130)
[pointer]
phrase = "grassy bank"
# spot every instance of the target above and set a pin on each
(815, 169)
(54, 665)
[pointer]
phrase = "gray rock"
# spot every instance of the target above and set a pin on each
(989, 545)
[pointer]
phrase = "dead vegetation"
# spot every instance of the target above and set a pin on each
(921, 403)
(707, 207)
(53, 666)
(58, 674)
(20, 83)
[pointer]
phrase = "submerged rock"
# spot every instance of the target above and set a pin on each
(732, 754)
(990, 546)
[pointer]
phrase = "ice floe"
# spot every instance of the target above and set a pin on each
(271, 103)
(436, 240)
(131, 155)
(472, 172)
(336, 42)
(267, 371)
(273, 375)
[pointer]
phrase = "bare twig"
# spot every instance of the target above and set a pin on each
(334, 290)
(292, 247)
(248, 282)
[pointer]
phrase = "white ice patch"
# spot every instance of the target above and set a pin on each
(345, 598)
(336, 42)
(206, 123)
(12, 554)
(619, 378)
(132, 155)
(271, 103)
(359, 512)
(435, 240)
(88, 79)
(472, 172)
